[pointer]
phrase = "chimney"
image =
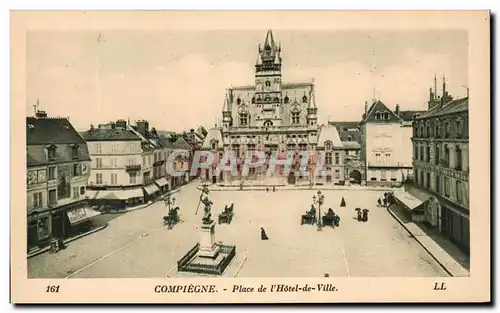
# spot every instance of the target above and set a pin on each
(397, 110)
(142, 127)
(121, 124)
(112, 124)
(41, 114)
(366, 107)
(91, 127)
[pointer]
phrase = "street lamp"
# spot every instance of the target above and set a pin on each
(319, 200)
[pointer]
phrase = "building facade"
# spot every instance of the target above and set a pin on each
(386, 147)
(58, 166)
(350, 135)
(441, 163)
(116, 155)
(273, 116)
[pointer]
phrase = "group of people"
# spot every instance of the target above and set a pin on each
(330, 217)
(386, 200)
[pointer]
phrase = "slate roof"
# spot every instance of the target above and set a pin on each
(344, 132)
(116, 134)
(351, 144)
(213, 134)
(329, 133)
(408, 115)
(379, 106)
(454, 106)
(44, 132)
(40, 131)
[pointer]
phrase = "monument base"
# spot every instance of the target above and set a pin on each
(207, 257)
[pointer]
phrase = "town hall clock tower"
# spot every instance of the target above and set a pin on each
(268, 80)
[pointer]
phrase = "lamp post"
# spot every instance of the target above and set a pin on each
(169, 202)
(319, 200)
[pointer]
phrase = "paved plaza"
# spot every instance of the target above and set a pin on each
(136, 244)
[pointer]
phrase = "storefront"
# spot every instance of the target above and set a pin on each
(162, 184)
(118, 199)
(414, 207)
(39, 228)
(151, 192)
(455, 225)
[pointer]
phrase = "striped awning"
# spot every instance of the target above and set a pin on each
(81, 214)
(150, 189)
(161, 182)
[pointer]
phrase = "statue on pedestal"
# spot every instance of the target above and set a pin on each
(207, 210)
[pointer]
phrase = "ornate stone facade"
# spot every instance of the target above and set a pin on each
(273, 116)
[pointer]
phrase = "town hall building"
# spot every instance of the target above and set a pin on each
(275, 117)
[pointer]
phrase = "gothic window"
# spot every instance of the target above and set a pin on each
(253, 99)
(304, 99)
(295, 117)
(328, 158)
(244, 119)
(328, 145)
(268, 124)
(287, 99)
(267, 98)
(238, 101)
(268, 83)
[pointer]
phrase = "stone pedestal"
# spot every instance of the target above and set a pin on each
(208, 246)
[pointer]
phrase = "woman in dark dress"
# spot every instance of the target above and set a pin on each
(263, 235)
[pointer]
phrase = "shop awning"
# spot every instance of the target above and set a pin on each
(95, 194)
(150, 189)
(411, 202)
(123, 194)
(81, 214)
(161, 182)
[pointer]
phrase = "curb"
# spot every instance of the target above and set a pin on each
(421, 244)
(68, 240)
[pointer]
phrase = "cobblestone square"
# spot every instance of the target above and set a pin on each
(136, 245)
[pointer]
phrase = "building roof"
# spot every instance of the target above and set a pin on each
(116, 134)
(351, 144)
(379, 107)
(213, 134)
(181, 143)
(42, 131)
(329, 133)
(165, 133)
(348, 131)
(409, 115)
(454, 106)
(166, 143)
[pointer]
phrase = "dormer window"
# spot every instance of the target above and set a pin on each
(377, 116)
(386, 116)
(74, 151)
(51, 152)
(328, 145)
(214, 144)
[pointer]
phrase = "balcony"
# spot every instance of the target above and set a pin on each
(133, 168)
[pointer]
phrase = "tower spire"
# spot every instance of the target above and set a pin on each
(435, 85)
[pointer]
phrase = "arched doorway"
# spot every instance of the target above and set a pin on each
(355, 177)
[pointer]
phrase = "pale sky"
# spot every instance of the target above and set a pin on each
(177, 80)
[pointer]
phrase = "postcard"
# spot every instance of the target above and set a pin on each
(250, 156)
